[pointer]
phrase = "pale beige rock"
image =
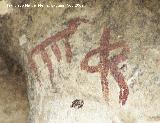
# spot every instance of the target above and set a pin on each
(135, 22)
(4, 8)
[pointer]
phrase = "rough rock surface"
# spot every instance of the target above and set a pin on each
(13, 98)
(56, 80)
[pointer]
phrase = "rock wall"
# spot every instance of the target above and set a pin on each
(89, 64)
(13, 98)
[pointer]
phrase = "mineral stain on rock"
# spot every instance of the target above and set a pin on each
(77, 104)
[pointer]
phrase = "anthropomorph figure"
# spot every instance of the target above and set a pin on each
(106, 64)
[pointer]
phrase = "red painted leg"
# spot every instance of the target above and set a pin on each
(47, 61)
(104, 84)
(34, 68)
(68, 50)
(124, 91)
(56, 51)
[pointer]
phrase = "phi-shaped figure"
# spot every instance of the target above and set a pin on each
(106, 64)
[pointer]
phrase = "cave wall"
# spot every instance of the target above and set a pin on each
(56, 46)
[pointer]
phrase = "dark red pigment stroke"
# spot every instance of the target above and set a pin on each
(106, 64)
(52, 41)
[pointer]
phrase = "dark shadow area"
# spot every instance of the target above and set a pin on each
(14, 106)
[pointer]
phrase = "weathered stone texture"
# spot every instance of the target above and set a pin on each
(54, 82)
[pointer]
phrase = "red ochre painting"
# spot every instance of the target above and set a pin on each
(106, 64)
(103, 67)
(52, 42)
